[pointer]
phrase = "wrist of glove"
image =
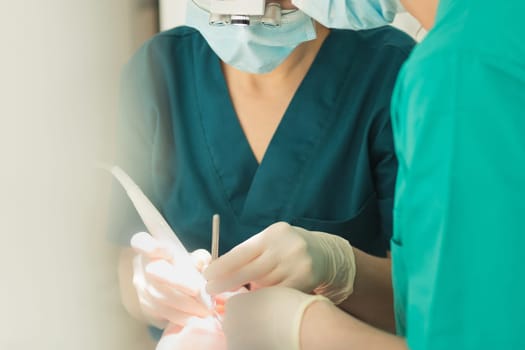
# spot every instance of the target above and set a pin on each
(339, 267)
(269, 318)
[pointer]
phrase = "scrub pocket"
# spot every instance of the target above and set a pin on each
(362, 230)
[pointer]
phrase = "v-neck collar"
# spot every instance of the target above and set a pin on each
(261, 193)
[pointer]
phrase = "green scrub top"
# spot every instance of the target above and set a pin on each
(459, 234)
(330, 165)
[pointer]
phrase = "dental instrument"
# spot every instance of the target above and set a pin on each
(216, 220)
(160, 229)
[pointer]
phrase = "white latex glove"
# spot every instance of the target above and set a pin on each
(288, 256)
(267, 319)
(165, 293)
(198, 334)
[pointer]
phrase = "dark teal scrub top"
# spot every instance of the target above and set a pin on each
(459, 237)
(330, 165)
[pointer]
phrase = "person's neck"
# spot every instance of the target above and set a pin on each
(293, 68)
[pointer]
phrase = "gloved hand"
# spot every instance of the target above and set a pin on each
(164, 294)
(198, 334)
(289, 256)
(269, 318)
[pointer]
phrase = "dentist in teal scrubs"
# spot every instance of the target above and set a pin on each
(459, 235)
(285, 132)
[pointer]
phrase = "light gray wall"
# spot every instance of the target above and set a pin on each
(59, 67)
(172, 13)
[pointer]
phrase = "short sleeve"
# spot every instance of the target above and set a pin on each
(459, 126)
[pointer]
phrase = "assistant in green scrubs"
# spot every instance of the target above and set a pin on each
(459, 233)
(330, 165)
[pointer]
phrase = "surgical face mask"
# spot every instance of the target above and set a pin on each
(350, 14)
(255, 48)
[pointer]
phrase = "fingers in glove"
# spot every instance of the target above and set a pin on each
(159, 314)
(231, 262)
(254, 271)
(151, 313)
(177, 277)
(173, 299)
(164, 299)
(143, 243)
(201, 258)
(178, 317)
(139, 275)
